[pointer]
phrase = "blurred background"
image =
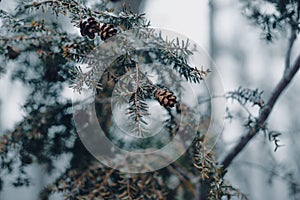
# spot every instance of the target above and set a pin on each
(243, 59)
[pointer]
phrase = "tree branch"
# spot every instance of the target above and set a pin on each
(136, 100)
(264, 114)
(290, 46)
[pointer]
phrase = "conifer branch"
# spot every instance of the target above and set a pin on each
(264, 114)
(136, 100)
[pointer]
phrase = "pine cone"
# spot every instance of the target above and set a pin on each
(107, 31)
(165, 98)
(91, 27)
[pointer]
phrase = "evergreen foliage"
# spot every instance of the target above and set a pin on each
(48, 58)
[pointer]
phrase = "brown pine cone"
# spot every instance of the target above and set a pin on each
(89, 27)
(107, 31)
(165, 98)
(92, 27)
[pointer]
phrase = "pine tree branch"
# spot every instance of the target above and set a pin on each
(136, 100)
(264, 114)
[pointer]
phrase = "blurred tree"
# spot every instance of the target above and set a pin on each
(48, 57)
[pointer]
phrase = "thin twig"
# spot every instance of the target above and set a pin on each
(264, 114)
(246, 109)
(289, 50)
(204, 100)
(136, 100)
